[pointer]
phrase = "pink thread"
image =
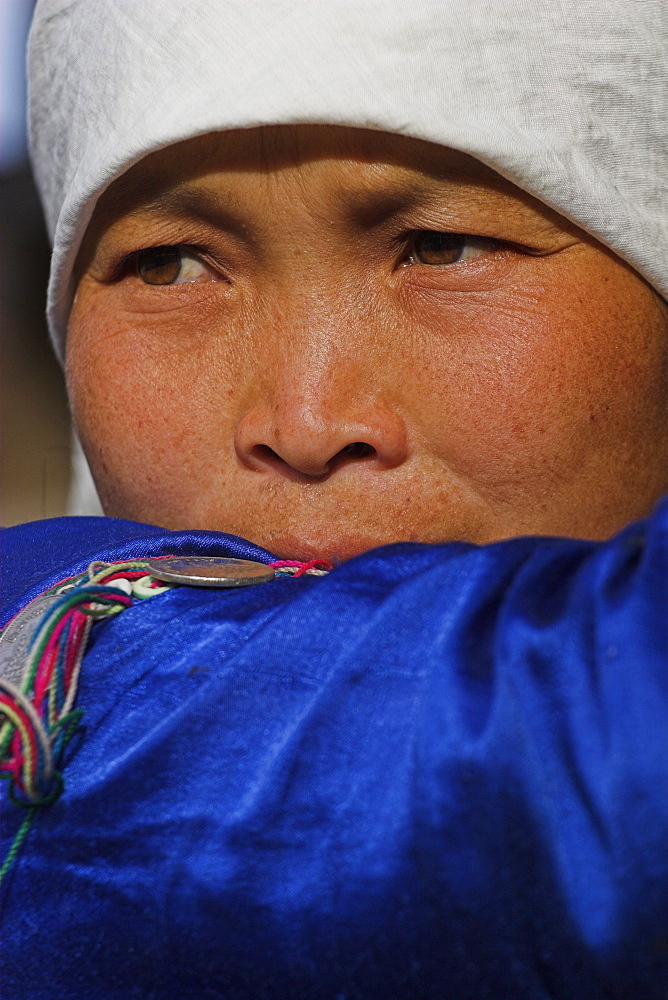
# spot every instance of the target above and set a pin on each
(78, 622)
(302, 567)
(65, 580)
(131, 574)
(46, 663)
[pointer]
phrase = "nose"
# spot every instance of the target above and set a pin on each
(310, 437)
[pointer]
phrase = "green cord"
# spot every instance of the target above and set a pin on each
(21, 835)
(69, 724)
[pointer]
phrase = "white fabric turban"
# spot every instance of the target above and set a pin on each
(566, 98)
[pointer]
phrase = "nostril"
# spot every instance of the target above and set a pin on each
(358, 449)
(267, 457)
(263, 451)
(309, 466)
(298, 469)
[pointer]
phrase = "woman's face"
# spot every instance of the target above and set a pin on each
(326, 339)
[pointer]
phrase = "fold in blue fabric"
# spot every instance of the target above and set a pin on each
(437, 772)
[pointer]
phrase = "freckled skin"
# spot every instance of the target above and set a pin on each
(522, 391)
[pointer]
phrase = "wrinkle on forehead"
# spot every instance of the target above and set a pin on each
(375, 173)
(376, 158)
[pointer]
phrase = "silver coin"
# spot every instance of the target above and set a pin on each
(209, 571)
(17, 636)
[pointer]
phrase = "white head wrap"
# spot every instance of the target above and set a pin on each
(566, 98)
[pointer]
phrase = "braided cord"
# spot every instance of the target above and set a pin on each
(38, 717)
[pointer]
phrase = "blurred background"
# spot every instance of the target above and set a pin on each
(34, 422)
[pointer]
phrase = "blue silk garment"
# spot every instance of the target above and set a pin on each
(438, 772)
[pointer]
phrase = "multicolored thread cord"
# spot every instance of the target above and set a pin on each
(292, 567)
(40, 717)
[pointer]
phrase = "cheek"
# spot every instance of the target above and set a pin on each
(151, 405)
(542, 389)
(545, 381)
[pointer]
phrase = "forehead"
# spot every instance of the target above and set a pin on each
(284, 147)
(371, 172)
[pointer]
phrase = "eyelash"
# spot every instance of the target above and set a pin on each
(453, 242)
(129, 263)
(405, 250)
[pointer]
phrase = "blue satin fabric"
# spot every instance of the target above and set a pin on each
(439, 772)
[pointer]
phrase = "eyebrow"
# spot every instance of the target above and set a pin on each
(186, 202)
(367, 208)
(371, 209)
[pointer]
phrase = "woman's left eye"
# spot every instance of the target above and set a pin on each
(430, 247)
(171, 266)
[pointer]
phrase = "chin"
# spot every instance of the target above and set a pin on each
(336, 549)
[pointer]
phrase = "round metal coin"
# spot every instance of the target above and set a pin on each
(16, 638)
(209, 571)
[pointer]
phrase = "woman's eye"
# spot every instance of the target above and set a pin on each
(430, 247)
(170, 266)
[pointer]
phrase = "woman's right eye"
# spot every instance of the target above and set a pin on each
(173, 265)
(431, 247)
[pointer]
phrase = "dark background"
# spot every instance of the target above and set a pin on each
(34, 422)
